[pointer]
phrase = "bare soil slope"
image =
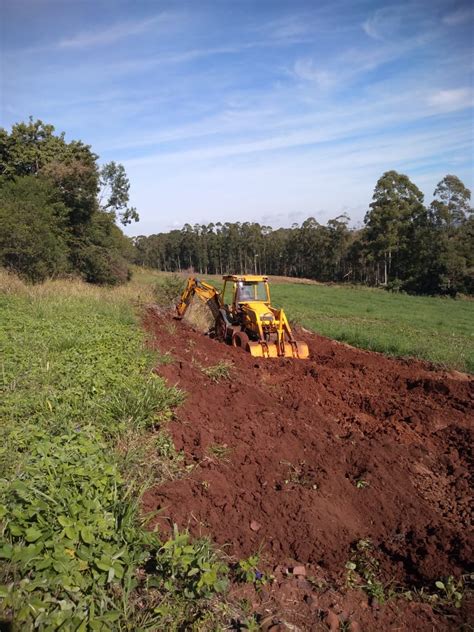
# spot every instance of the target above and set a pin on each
(318, 455)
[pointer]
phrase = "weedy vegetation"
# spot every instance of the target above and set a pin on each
(445, 594)
(220, 451)
(219, 371)
(363, 572)
(81, 415)
(247, 571)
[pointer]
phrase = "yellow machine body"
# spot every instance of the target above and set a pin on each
(248, 320)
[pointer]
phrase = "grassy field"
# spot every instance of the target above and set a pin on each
(83, 428)
(440, 330)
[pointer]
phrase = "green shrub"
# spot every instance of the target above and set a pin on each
(32, 236)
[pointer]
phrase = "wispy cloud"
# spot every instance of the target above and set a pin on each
(337, 126)
(112, 33)
(307, 70)
(291, 28)
(398, 22)
(383, 22)
(450, 100)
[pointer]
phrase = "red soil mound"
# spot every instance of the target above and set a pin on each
(321, 454)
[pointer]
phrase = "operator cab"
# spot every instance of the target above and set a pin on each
(248, 288)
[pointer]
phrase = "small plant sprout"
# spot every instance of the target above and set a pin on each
(451, 591)
(252, 624)
(219, 371)
(190, 568)
(220, 451)
(361, 483)
(296, 475)
(247, 571)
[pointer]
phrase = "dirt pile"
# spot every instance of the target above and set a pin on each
(303, 459)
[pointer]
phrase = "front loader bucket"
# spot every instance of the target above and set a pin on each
(271, 350)
(301, 351)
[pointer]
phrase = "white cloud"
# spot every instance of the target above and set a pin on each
(335, 125)
(454, 99)
(291, 28)
(112, 33)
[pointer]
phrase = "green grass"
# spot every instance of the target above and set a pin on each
(78, 404)
(436, 329)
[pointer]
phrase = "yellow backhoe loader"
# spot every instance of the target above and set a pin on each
(249, 321)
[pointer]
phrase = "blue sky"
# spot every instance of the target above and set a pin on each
(243, 110)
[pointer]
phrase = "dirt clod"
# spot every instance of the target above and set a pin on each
(299, 570)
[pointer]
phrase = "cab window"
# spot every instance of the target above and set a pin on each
(251, 291)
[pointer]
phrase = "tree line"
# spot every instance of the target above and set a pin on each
(59, 209)
(403, 244)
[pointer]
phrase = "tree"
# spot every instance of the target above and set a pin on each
(451, 206)
(114, 193)
(396, 201)
(32, 229)
(89, 238)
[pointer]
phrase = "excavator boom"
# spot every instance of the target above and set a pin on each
(206, 292)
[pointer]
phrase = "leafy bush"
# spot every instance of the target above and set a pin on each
(51, 217)
(32, 236)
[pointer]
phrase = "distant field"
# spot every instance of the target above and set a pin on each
(435, 329)
(439, 330)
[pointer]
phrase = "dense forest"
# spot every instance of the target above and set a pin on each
(59, 209)
(404, 245)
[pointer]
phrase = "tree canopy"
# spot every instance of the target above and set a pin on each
(54, 216)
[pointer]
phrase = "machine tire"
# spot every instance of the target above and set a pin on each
(240, 339)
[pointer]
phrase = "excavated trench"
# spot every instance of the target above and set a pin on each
(300, 460)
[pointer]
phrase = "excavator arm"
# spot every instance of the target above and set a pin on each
(204, 291)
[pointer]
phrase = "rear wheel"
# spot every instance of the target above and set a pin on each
(240, 339)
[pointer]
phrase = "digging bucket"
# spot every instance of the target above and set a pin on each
(270, 350)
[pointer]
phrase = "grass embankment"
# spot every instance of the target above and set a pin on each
(79, 413)
(436, 329)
